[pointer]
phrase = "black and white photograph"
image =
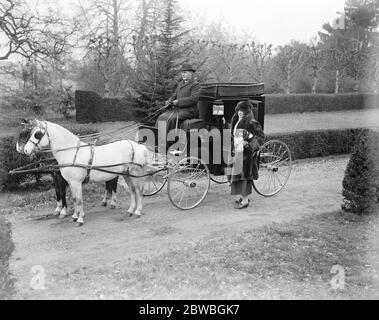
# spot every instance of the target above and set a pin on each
(214, 151)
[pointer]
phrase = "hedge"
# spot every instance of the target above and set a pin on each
(318, 143)
(90, 107)
(10, 159)
(6, 249)
(287, 103)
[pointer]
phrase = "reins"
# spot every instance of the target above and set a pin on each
(55, 168)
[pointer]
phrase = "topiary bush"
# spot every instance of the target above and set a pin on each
(6, 249)
(361, 180)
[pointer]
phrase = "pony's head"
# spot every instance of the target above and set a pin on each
(33, 137)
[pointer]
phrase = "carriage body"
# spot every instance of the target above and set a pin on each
(216, 107)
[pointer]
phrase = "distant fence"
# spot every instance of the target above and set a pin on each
(90, 107)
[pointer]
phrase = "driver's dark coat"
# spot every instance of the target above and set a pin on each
(187, 95)
(250, 168)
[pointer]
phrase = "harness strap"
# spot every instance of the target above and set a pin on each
(77, 150)
(90, 161)
(131, 145)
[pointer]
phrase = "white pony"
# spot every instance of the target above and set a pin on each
(121, 157)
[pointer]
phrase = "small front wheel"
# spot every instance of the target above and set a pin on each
(188, 183)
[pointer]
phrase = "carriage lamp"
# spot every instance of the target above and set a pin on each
(218, 108)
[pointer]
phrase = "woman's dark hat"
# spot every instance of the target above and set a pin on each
(244, 106)
(187, 67)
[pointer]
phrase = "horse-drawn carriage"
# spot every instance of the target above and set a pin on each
(204, 154)
(199, 153)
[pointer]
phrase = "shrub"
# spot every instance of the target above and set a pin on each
(6, 249)
(10, 159)
(66, 103)
(361, 180)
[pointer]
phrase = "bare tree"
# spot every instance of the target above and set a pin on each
(315, 60)
(289, 61)
(29, 34)
(108, 38)
(259, 54)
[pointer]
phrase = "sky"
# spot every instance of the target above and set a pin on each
(270, 21)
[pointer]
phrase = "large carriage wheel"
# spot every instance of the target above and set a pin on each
(156, 181)
(274, 168)
(188, 183)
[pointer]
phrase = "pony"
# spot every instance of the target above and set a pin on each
(79, 162)
(60, 184)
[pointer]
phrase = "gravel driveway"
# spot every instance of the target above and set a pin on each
(61, 248)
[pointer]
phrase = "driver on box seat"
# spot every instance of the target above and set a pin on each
(184, 99)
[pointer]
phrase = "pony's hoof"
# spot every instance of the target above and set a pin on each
(80, 224)
(130, 214)
(113, 206)
(74, 219)
(62, 216)
(104, 204)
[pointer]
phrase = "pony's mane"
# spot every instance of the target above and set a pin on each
(61, 128)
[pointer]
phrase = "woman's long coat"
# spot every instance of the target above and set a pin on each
(249, 171)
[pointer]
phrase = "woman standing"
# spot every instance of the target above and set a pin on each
(247, 137)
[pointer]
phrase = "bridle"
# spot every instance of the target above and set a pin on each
(42, 132)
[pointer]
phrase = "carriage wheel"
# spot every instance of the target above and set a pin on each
(219, 179)
(188, 183)
(275, 165)
(155, 182)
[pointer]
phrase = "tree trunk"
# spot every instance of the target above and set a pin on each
(314, 85)
(376, 75)
(107, 88)
(315, 81)
(337, 84)
(288, 85)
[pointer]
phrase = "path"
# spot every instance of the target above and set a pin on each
(61, 248)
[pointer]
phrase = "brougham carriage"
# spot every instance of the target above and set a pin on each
(188, 169)
(188, 176)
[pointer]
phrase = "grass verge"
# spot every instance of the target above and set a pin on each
(280, 261)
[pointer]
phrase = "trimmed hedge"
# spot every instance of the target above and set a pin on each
(6, 249)
(10, 159)
(287, 103)
(318, 143)
(90, 107)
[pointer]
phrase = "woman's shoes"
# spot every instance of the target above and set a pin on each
(238, 204)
